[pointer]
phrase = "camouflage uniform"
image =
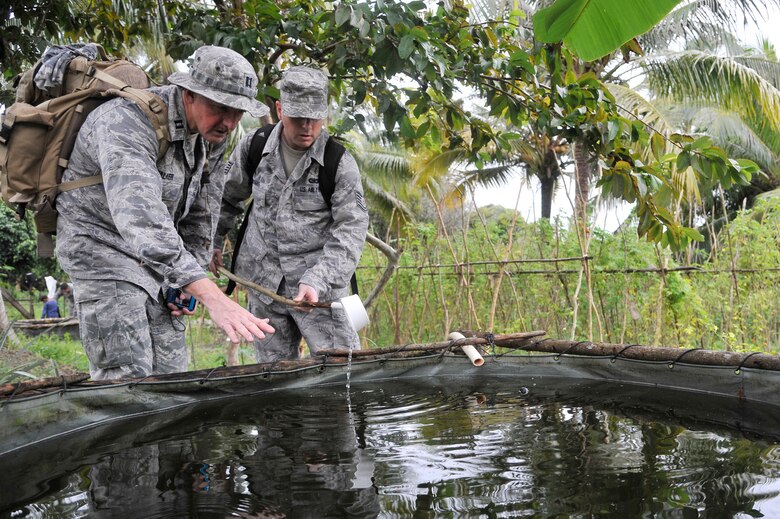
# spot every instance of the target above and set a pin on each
(292, 237)
(147, 227)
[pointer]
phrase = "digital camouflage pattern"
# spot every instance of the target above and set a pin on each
(55, 61)
(126, 333)
(224, 76)
(304, 93)
(292, 234)
(150, 223)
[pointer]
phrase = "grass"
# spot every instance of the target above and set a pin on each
(49, 355)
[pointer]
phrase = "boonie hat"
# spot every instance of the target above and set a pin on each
(304, 93)
(224, 76)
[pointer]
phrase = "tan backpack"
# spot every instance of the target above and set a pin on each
(39, 130)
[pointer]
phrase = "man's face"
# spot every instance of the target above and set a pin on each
(299, 132)
(211, 120)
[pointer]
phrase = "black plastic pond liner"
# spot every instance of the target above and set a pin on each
(59, 429)
(741, 398)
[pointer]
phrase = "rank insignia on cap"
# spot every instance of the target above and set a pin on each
(248, 81)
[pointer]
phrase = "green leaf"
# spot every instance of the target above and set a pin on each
(406, 47)
(407, 130)
(658, 145)
(594, 28)
(343, 15)
(683, 161)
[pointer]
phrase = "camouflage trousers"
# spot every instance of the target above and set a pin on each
(322, 328)
(126, 333)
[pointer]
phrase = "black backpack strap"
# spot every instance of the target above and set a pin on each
(256, 148)
(327, 176)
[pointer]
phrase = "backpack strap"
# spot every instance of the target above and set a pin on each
(327, 175)
(256, 150)
(80, 182)
(152, 105)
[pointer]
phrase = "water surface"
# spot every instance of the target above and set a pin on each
(407, 450)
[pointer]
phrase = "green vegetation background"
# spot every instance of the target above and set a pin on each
(490, 271)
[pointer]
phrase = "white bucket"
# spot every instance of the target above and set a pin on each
(356, 312)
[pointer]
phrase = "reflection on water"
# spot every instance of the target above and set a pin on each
(398, 451)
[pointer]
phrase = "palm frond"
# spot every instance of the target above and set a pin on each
(732, 134)
(700, 79)
(495, 176)
(384, 163)
(436, 166)
(706, 24)
(385, 202)
(633, 104)
(765, 67)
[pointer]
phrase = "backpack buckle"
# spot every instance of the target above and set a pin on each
(5, 133)
(154, 106)
(21, 210)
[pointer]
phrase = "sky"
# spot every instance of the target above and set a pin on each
(608, 218)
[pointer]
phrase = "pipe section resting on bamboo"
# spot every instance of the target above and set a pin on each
(470, 351)
(498, 340)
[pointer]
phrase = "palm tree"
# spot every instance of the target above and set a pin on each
(742, 87)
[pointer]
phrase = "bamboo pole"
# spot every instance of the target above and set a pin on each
(436, 346)
(270, 293)
(20, 387)
(529, 341)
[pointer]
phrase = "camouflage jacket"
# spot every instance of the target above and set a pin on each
(151, 222)
(291, 232)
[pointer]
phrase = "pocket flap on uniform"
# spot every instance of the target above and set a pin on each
(94, 290)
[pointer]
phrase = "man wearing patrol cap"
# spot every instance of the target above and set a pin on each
(295, 241)
(149, 226)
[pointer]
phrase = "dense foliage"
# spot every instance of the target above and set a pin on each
(411, 64)
(632, 292)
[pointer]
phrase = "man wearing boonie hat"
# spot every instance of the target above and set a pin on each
(148, 227)
(296, 242)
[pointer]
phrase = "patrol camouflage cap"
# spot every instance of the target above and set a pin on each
(224, 76)
(304, 93)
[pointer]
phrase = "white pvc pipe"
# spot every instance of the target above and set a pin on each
(470, 351)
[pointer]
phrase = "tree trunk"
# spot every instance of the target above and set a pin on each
(584, 171)
(5, 327)
(551, 171)
(548, 187)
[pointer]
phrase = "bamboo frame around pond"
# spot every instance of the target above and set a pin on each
(525, 341)
(529, 341)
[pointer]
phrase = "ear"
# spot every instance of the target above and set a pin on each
(188, 96)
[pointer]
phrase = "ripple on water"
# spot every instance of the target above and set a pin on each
(389, 452)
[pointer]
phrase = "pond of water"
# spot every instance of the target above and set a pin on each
(398, 450)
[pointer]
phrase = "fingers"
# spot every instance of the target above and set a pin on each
(175, 310)
(253, 329)
(306, 293)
